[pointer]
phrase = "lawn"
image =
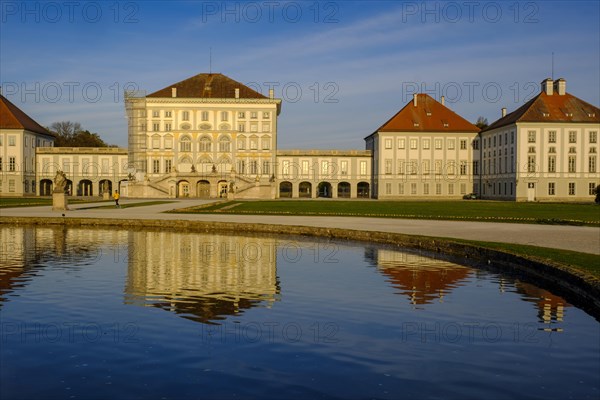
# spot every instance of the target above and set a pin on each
(470, 210)
(6, 202)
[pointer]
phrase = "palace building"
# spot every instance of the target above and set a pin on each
(210, 136)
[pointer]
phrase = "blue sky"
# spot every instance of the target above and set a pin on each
(342, 68)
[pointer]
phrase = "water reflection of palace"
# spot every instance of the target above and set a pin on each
(422, 279)
(26, 249)
(202, 277)
(551, 308)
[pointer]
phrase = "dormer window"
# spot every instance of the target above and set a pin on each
(415, 124)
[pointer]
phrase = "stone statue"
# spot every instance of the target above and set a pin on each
(60, 182)
(193, 168)
(231, 187)
(214, 168)
(272, 178)
(105, 187)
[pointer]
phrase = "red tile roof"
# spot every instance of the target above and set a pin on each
(428, 115)
(551, 108)
(215, 85)
(12, 117)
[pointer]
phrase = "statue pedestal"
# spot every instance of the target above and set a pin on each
(106, 196)
(59, 202)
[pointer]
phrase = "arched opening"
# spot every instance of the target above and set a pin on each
(285, 189)
(45, 187)
(222, 186)
(183, 189)
(105, 186)
(185, 164)
(343, 190)
(362, 190)
(85, 188)
(69, 187)
(324, 190)
(203, 189)
(305, 189)
(205, 144)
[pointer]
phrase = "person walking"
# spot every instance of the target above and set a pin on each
(116, 197)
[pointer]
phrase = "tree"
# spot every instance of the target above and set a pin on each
(481, 123)
(71, 134)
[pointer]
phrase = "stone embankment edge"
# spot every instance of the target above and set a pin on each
(582, 286)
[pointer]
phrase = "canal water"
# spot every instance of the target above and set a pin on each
(89, 314)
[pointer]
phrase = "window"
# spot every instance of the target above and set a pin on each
(572, 164)
(241, 127)
(463, 167)
(593, 137)
(426, 188)
(571, 188)
(531, 149)
(266, 127)
(512, 138)
(572, 136)
(363, 168)
(592, 188)
(551, 189)
(168, 166)
(155, 114)
(253, 127)
(463, 188)
(592, 150)
(531, 164)
(551, 163)
(2, 165)
(155, 127)
(205, 144)
(168, 142)
(572, 150)
(105, 165)
(204, 115)
(224, 144)
(11, 185)
(224, 115)
(475, 144)
(26, 141)
(401, 188)
(451, 188)
(253, 143)
(155, 166)
(155, 142)
(531, 136)
(551, 149)
(253, 114)
(344, 167)
(592, 164)
(413, 188)
(12, 163)
(451, 143)
(438, 188)
(552, 137)
(413, 167)
(401, 143)
(265, 168)
(253, 167)
(401, 167)
(438, 167)
(266, 143)
(305, 167)
(324, 167)
(426, 144)
(494, 141)
(388, 167)
(241, 143)
(438, 144)
(185, 144)
(167, 127)
(426, 167)
(285, 167)
(266, 115)
(241, 114)
(388, 188)
(463, 144)
(185, 116)
(388, 143)
(413, 144)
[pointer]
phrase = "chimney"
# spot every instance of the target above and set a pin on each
(271, 93)
(174, 92)
(443, 101)
(415, 99)
(547, 86)
(560, 86)
(504, 111)
(237, 93)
